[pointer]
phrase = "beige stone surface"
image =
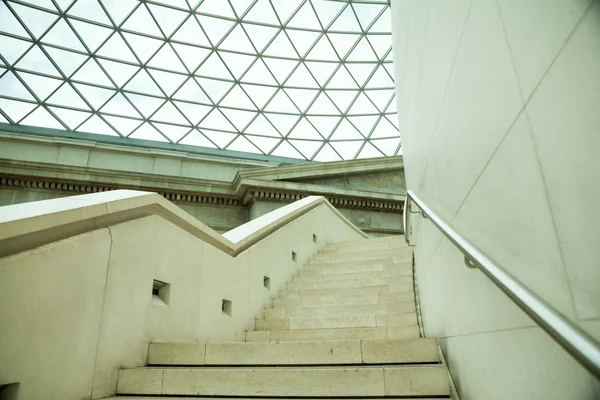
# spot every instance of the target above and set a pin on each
(330, 334)
(258, 336)
(140, 381)
(393, 351)
(333, 322)
(397, 297)
(396, 320)
(417, 381)
(339, 311)
(328, 301)
(402, 332)
(176, 353)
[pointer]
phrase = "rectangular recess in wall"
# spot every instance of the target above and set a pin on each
(9, 391)
(267, 282)
(226, 307)
(161, 293)
(314, 238)
(294, 256)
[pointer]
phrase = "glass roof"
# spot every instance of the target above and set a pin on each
(307, 79)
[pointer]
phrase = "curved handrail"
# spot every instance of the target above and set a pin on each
(584, 348)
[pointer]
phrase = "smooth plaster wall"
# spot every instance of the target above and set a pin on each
(498, 105)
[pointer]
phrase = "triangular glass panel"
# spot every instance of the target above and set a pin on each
(302, 97)
(116, 48)
(190, 32)
(360, 72)
(41, 85)
(364, 123)
(123, 125)
(37, 21)
(383, 23)
(362, 105)
(381, 44)
(48, 5)
(367, 13)
(90, 10)
(327, 10)
(346, 22)
(62, 35)
(96, 125)
(259, 73)
(283, 123)
(174, 133)
(342, 98)
(392, 108)
(119, 9)
(214, 88)
(182, 4)
(240, 6)
(66, 96)
(281, 69)
(384, 129)
(387, 146)
(11, 49)
(302, 40)
(92, 35)
(41, 117)
(215, 28)
(389, 67)
(216, 7)
(369, 151)
(195, 138)
(285, 8)
(35, 60)
(265, 144)
(237, 63)
(237, 41)
(362, 52)
(144, 47)
(262, 126)
(143, 83)
(323, 51)
(324, 124)
(327, 154)
(259, 94)
(192, 56)
(168, 18)
(238, 99)
(91, 72)
(12, 87)
(94, 95)
(167, 81)
(262, 12)
(141, 21)
(323, 106)
(147, 132)
(342, 80)
(119, 72)
(169, 114)
(167, 59)
(346, 131)
(305, 18)
(347, 149)
(281, 103)
(321, 71)
(147, 105)
(193, 112)
(71, 118)
(281, 47)
(16, 110)
(118, 105)
(216, 120)
(302, 78)
(221, 139)
(343, 42)
(380, 98)
(213, 67)
(380, 79)
(68, 62)
(304, 130)
(260, 35)
(393, 118)
(192, 92)
(239, 118)
(286, 150)
(9, 23)
(307, 147)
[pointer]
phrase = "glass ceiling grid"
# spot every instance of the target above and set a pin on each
(304, 79)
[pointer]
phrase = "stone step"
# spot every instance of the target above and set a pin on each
(353, 321)
(340, 311)
(348, 291)
(335, 352)
(330, 300)
(359, 256)
(348, 263)
(363, 246)
(349, 283)
(351, 269)
(343, 277)
(138, 397)
(377, 333)
(367, 381)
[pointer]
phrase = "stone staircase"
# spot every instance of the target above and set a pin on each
(346, 326)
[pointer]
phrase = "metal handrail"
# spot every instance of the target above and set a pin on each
(584, 348)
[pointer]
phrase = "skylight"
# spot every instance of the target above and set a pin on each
(307, 79)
